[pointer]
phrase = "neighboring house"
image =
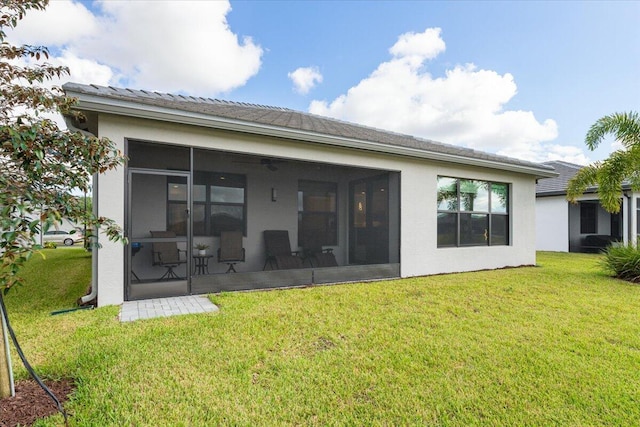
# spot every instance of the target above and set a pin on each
(583, 226)
(388, 205)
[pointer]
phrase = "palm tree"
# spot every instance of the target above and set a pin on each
(621, 165)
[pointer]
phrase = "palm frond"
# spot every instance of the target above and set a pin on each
(621, 165)
(585, 178)
(625, 127)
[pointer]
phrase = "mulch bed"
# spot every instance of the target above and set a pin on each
(32, 403)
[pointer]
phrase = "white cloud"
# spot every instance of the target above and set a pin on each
(86, 71)
(305, 78)
(426, 45)
(466, 106)
(167, 46)
(60, 23)
(546, 152)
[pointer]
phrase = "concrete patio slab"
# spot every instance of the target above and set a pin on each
(164, 307)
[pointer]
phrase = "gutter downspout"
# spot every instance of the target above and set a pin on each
(94, 247)
(94, 234)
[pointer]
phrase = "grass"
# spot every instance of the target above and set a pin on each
(557, 344)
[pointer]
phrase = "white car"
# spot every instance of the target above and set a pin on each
(67, 238)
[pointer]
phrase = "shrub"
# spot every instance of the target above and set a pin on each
(623, 261)
(50, 245)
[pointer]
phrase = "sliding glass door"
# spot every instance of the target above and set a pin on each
(369, 228)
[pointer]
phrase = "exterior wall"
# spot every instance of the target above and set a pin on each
(110, 257)
(552, 224)
(419, 254)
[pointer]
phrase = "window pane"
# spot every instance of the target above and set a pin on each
(199, 220)
(199, 193)
(317, 214)
(447, 229)
(319, 202)
(177, 192)
(499, 230)
(177, 218)
(474, 196)
(380, 206)
(499, 197)
(474, 229)
(447, 194)
(227, 195)
(227, 218)
(588, 218)
(360, 205)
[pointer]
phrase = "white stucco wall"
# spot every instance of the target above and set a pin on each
(552, 224)
(419, 254)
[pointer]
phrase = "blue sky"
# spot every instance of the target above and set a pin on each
(524, 79)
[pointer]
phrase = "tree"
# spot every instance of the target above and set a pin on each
(621, 165)
(41, 165)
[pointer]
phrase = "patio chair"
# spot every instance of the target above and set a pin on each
(231, 251)
(167, 254)
(279, 253)
(319, 257)
(316, 255)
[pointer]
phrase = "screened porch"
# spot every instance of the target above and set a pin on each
(181, 200)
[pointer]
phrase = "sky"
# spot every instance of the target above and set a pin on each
(524, 79)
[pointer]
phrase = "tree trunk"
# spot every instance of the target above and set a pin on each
(6, 374)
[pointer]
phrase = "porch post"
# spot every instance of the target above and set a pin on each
(633, 220)
(625, 219)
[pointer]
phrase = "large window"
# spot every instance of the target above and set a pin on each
(472, 212)
(219, 203)
(588, 217)
(317, 214)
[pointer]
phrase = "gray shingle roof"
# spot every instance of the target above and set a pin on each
(557, 185)
(287, 119)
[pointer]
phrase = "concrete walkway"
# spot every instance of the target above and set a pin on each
(164, 307)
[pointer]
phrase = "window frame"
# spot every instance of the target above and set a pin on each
(588, 217)
(466, 217)
(210, 180)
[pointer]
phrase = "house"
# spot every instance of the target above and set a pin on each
(583, 226)
(388, 205)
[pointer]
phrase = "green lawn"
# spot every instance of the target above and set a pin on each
(557, 344)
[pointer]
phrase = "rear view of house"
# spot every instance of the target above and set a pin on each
(352, 202)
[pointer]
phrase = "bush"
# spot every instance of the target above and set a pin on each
(50, 245)
(623, 261)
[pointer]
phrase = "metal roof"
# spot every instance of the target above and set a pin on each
(283, 122)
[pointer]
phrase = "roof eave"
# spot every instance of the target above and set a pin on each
(128, 108)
